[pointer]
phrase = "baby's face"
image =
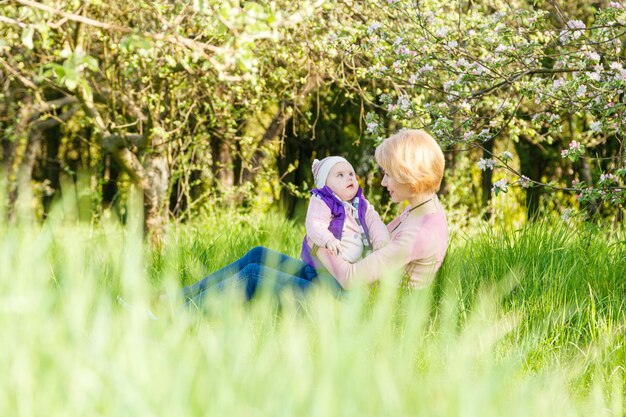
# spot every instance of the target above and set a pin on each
(342, 180)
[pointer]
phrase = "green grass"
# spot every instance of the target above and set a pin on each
(529, 323)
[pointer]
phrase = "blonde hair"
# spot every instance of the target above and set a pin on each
(412, 157)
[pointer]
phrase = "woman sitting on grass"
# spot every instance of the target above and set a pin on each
(413, 166)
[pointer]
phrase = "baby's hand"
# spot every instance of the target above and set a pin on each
(334, 246)
(380, 244)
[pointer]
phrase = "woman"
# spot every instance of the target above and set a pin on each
(413, 164)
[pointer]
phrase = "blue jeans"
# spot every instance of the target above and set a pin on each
(260, 267)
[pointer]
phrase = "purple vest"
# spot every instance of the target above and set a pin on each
(338, 213)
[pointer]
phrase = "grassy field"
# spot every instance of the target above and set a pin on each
(528, 323)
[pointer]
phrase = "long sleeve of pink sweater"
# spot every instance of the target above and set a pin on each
(318, 217)
(417, 248)
(378, 232)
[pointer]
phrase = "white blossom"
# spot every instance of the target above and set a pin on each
(607, 178)
(594, 56)
(462, 62)
(402, 50)
(524, 181)
(501, 48)
(404, 102)
(558, 83)
(575, 24)
(577, 27)
(500, 185)
(373, 27)
(596, 127)
(485, 164)
(397, 67)
(441, 32)
(567, 213)
(574, 145)
(371, 127)
(426, 68)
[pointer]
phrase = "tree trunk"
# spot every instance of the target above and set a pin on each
(585, 172)
(52, 166)
(450, 158)
(155, 194)
(532, 165)
(222, 163)
(30, 133)
(487, 180)
(110, 174)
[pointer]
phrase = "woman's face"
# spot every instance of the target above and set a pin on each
(398, 191)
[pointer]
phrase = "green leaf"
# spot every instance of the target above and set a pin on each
(91, 63)
(71, 82)
(59, 71)
(254, 8)
(125, 44)
(27, 37)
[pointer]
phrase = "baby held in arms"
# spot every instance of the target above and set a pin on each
(339, 218)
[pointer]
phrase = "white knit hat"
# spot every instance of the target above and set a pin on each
(323, 167)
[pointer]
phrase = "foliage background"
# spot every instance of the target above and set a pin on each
(207, 103)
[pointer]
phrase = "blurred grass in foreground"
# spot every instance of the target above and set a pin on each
(524, 323)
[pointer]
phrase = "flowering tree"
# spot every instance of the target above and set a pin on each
(525, 75)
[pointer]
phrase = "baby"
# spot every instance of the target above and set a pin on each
(339, 217)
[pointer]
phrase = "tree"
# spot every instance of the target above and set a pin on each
(477, 72)
(159, 94)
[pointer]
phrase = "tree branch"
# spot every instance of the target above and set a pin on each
(112, 142)
(127, 160)
(27, 83)
(523, 74)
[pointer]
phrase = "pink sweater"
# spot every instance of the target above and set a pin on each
(418, 245)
